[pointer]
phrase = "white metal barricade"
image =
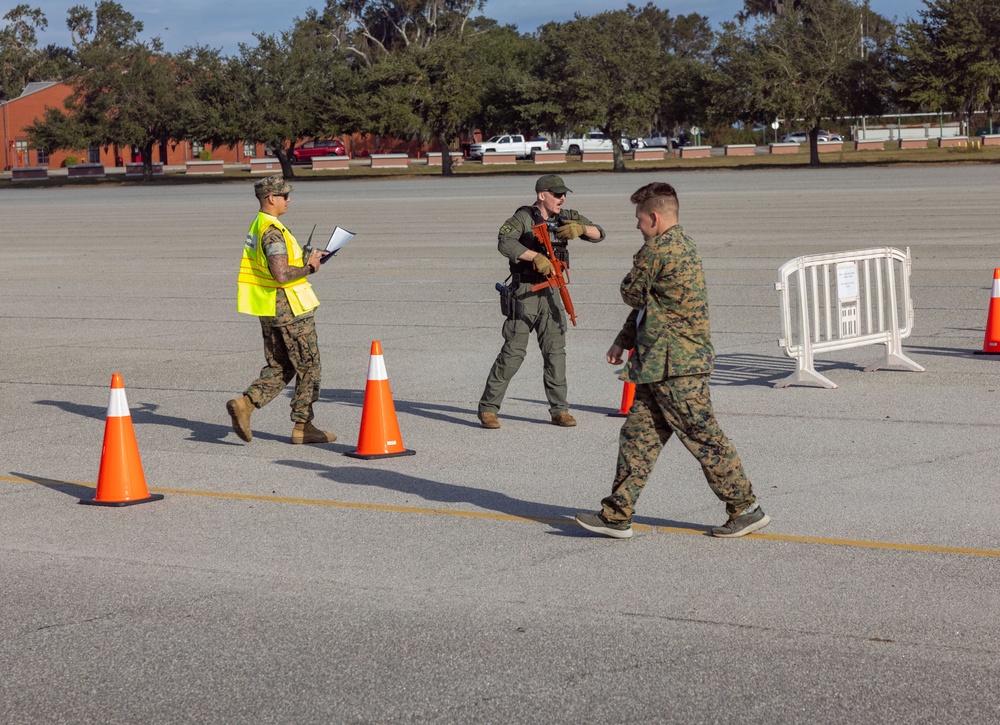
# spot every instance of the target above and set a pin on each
(841, 300)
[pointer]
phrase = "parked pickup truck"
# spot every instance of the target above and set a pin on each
(593, 141)
(509, 144)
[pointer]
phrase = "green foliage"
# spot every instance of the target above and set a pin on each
(606, 70)
(814, 62)
(205, 155)
(21, 61)
(125, 92)
(951, 56)
(70, 161)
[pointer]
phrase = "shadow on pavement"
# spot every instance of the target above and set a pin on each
(560, 517)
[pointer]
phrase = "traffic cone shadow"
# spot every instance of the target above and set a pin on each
(379, 436)
(120, 481)
(991, 342)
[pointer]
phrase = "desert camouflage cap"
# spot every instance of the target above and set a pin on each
(551, 182)
(271, 185)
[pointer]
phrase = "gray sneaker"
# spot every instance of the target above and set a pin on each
(742, 525)
(594, 522)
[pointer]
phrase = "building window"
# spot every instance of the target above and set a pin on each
(197, 147)
(249, 149)
(43, 157)
(94, 155)
(21, 149)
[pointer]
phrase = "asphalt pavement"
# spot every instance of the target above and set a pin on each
(294, 584)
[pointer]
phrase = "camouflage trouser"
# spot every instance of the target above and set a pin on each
(680, 405)
(544, 316)
(291, 351)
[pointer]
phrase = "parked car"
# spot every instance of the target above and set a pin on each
(828, 136)
(655, 140)
(593, 141)
(543, 139)
(796, 137)
(317, 147)
(509, 144)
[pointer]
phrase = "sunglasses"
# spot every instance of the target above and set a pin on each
(558, 195)
(283, 196)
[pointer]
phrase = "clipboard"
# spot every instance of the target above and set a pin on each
(338, 239)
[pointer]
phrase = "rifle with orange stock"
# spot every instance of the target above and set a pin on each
(560, 272)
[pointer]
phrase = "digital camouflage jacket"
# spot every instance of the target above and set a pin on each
(667, 281)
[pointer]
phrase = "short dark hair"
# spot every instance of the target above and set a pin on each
(657, 196)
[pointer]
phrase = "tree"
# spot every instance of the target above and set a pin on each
(604, 73)
(21, 61)
(283, 88)
(125, 92)
(416, 61)
(686, 43)
(952, 56)
(813, 61)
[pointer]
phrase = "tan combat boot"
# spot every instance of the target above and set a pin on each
(240, 409)
(308, 433)
(564, 420)
(488, 419)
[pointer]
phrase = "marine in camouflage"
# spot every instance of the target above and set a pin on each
(667, 282)
(291, 349)
(671, 364)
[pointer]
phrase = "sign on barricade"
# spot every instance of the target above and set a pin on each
(842, 300)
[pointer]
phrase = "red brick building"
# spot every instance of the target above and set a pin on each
(17, 114)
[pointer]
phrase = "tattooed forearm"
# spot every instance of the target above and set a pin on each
(280, 270)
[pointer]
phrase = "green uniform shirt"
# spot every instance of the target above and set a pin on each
(667, 281)
(515, 236)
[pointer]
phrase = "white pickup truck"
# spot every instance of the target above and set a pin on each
(593, 141)
(508, 144)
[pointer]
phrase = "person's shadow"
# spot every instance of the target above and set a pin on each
(145, 414)
(559, 517)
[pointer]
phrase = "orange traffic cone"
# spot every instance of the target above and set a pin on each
(379, 436)
(628, 397)
(120, 481)
(991, 343)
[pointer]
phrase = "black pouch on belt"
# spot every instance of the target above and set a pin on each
(510, 306)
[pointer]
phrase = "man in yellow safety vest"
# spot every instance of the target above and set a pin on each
(272, 285)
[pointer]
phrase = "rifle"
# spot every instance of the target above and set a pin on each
(560, 272)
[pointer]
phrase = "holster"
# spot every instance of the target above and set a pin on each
(510, 306)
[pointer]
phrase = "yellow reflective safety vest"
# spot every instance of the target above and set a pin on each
(257, 288)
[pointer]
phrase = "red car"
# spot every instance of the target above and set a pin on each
(318, 147)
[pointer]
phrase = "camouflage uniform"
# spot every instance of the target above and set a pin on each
(543, 312)
(671, 363)
(290, 349)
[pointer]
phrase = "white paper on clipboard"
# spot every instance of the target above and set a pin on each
(338, 239)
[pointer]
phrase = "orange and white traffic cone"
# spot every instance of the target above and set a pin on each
(991, 343)
(379, 436)
(628, 397)
(120, 481)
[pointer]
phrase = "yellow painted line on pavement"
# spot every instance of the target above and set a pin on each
(701, 531)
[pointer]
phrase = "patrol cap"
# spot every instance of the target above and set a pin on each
(271, 185)
(551, 182)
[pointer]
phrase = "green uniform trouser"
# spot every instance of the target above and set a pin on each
(290, 350)
(680, 405)
(544, 316)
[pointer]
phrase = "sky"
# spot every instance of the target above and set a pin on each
(223, 25)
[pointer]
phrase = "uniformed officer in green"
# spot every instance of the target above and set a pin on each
(672, 359)
(539, 312)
